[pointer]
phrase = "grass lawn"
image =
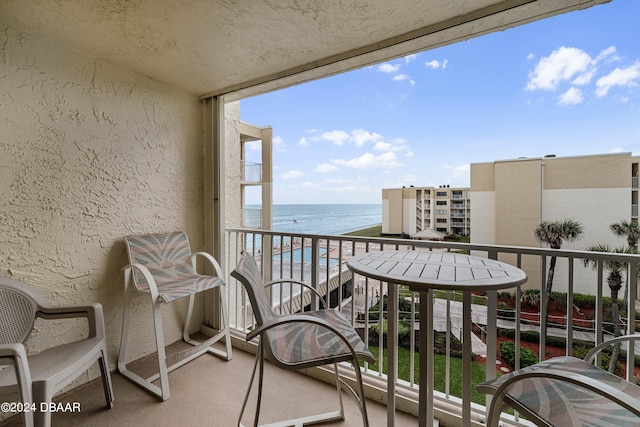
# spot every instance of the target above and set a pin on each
(370, 232)
(439, 366)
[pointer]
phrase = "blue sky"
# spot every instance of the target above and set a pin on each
(568, 85)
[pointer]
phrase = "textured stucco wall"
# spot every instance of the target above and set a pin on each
(89, 153)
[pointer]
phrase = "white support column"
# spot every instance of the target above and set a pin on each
(214, 191)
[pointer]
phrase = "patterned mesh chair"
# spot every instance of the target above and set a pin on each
(38, 377)
(163, 266)
(299, 341)
(567, 391)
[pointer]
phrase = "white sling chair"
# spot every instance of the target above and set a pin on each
(567, 391)
(163, 266)
(299, 341)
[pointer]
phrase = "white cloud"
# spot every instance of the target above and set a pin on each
(383, 146)
(368, 161)
(401, 77)
(609, 54)
(325, 168)
(462, 170)
(573, 96)
(309, 184)
(303, 142)
(292, 174)
(618, 77)
(253, 145)
(435, 64)
(278, 144)
(531, 56)
(410, 58)
(563, 64)
(337, 181)
(388, 68)
(338, 137)
(409, 154)
(361, 136)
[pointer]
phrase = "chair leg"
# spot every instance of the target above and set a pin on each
(225, 332)
(303, 421)
(335, 369)
(41, 397)
(225, 319)
(259, 360)
(146, 383)
(361, 401)
(106, 378)
(162, 361)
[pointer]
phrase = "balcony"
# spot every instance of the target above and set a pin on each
(251, 172)
(212, 390)
(322, 257)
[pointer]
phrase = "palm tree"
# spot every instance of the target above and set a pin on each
(631, 231)
(614, 280)
(554, 233)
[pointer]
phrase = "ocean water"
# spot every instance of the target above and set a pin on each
(325, 219)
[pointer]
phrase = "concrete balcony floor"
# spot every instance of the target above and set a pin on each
(208, 392)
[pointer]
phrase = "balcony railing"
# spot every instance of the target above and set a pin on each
(321, 259)
(252, 218)
(251, 172)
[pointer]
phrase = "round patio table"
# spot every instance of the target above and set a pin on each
(423, 272)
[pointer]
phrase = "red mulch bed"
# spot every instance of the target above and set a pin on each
(557, 313)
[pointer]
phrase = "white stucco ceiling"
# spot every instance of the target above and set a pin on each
(245, 47)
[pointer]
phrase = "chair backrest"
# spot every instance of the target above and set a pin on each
(17, 310)
(165, 255)
(248, 273)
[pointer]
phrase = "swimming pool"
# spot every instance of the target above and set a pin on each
(304, 255)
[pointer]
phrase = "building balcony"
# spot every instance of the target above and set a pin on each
(209, 391)
(251, 173)
(252, 218)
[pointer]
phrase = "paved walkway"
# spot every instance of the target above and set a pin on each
(479, 316)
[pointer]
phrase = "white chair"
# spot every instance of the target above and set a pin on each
(38, 377)
(567, 391)
(299, 341)
(163, 266)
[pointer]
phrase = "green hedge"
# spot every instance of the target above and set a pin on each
(508, 354)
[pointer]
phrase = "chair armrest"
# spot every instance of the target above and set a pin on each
(583, 381)
(211, 259)
(300, 318)
(153, 287)
(15, 350)
(597, 349)
(92, 312)
(297, 282)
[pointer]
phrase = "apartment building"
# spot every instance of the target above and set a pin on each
(412, 210)
(510, 198)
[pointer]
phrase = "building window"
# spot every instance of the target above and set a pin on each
(441, 202)
(441, 211)
(441, 220)
(441, 194)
